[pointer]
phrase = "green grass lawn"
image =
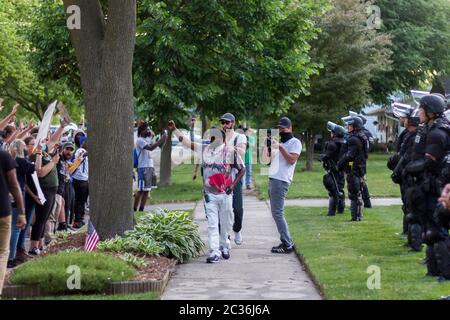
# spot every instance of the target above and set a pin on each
(182, 189)
(338, 253)
(309, 184)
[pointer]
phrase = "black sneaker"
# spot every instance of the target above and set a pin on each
(78, 225)
(212, 259)
(226, 253)
(11, 264)
(62, 227)
(282, 249)
(34, 252)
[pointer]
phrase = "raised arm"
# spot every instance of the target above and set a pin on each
(183, 139)
(7, 120)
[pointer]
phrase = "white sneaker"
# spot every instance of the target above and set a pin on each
(238, 238)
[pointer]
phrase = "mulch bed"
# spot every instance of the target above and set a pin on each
(155, 269)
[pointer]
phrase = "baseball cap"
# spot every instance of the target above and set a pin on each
(284, 123)
(68, 144)
(228, 117)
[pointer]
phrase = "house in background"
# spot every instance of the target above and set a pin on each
(382, 123)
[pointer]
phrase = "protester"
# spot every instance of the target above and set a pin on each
(80, 175)
(64, 193)
(8, 185)
(283, 159)
(78, 134)
(218, 160)
(249, 158)
(31, 199)
(24, 167)
(145, 167)
(239, 142)
(45, 161)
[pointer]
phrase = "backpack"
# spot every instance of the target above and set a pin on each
(136, 159)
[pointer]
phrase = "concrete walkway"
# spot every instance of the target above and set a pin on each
(252, 273)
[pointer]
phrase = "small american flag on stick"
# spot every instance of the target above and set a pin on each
(92, 238)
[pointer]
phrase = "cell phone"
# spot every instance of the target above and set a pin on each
(269, 140)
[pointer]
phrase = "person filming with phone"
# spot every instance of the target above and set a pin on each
(283, 158)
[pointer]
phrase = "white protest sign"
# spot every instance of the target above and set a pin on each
(42, 134)
(45, 124)
(40, 194)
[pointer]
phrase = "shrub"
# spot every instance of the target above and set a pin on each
(169, 233)
(50, 272)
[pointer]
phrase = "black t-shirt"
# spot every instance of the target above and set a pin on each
(24, 167)
(7, 164)
(63, 177)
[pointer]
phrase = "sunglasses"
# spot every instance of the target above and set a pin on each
(225, 122)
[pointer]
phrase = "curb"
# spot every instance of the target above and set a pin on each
(122, 287)
(316, 283)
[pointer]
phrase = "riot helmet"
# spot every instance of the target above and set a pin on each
(413, 118)
(356, 122)
(354, 114)
(402, 110)
(337, 130)
(433, 104)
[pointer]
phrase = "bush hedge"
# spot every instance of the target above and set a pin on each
(165, 232)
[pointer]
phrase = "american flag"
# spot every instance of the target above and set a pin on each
(91, 239)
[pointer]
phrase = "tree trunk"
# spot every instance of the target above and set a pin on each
(203, 120)
(309, 150)
(105, 57)
(165, 171)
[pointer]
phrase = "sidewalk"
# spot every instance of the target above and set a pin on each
(252, 272)
(324, 202)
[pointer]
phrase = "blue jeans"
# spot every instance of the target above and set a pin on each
(277, 193)
(238, 207)
(15, 233)
(248, 174)
(29, 211)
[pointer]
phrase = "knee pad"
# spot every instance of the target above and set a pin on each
(431, 236)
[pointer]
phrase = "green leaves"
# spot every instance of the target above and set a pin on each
(168, 233)
(420, 31)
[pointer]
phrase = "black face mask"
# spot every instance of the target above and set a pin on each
(286, 136)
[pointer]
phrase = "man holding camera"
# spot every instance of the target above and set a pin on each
(283, 158)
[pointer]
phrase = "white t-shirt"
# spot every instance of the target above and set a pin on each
(241, 139)
(82, 172)
(279, 168)
(145, 159)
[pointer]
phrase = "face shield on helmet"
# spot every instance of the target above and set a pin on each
(354, 114)
(417, 95)
(414, 117)
(401, 110)
(337, 130)
(356, 122)
(346, 119)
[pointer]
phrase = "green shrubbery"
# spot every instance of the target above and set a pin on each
(168, 233)
(51, 273)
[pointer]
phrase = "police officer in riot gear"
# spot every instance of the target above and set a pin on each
(353, 161)
(334, 180)
(432, 166)
(365, 191)
(408, 119)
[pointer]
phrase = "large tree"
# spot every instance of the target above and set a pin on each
(104, 47)
(420, 31)
(350, 54)
(21, 80)
(243, 56)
